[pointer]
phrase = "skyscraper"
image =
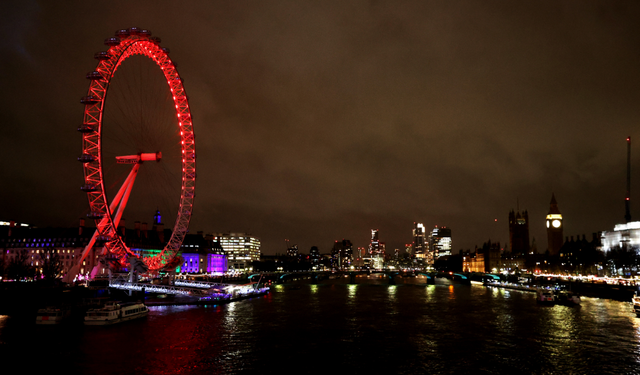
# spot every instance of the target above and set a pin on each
(376, 250)
(419, 241)
(519, 232)
(314, 257)
(342, 254)
(554, 227)
(439, 242)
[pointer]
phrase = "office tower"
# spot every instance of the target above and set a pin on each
(519, 232)
(376, 250)
(439, 243)
(420, 246)
(241, 249)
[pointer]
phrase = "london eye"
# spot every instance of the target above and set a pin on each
(124, 137)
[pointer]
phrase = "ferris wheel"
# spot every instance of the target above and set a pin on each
(107, 207)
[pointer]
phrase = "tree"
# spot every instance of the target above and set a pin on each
(52, 266)
(20, 267)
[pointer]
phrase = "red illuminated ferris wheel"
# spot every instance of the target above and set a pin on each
(107, 208)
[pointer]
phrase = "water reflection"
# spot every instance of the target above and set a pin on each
(355, 328)
(392, 292)
(352, 291)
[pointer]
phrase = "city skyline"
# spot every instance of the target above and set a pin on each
(317, 122)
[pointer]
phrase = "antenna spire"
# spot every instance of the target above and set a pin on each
(627, 201)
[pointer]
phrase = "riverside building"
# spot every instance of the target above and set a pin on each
(201, 254)
(623, 236)
(440, 242)
(37, 247)
(242, 249)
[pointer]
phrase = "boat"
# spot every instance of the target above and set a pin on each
(114, 312)
(636, 305)
(568, 298)
(52, 315)
(545, 296)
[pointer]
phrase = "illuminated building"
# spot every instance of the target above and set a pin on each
(519, 232)
(292, 251)
(359, 260)
(241, 249)
(376, 251)
(37, 246)
(485, 259)
(420, 246)
(314, 257)
(408, 248)
(202, 255)
(623, 236)
(342, 254)
(473, 263)
(554, 227)
(440, 242)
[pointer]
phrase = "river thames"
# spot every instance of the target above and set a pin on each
(334, 327)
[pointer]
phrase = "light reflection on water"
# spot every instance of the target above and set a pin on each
(359, 329)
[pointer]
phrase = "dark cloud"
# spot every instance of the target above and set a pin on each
(318, 121)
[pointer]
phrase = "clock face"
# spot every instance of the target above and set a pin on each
(556, 223)
(547, 223)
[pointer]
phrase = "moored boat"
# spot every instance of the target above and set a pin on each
(568, 298)
(636, 305)
(52, 315)
(133, 310)
(114, 312)
(545, 296)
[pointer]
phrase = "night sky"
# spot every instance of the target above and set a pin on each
(320, 120)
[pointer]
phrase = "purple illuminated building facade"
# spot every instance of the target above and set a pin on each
(204, 263)
(201, 254)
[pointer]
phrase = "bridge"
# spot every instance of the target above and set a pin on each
(202, 290)
(317, 276)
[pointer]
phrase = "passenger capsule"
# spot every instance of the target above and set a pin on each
(155, 40)
(89, 188)
(165, 50)
(86, 158)
(86, 128)
(122, 33)
(134, 31)
(89, 100)
(104, 55)
(112, 41)
(145, 32)
(94, 76)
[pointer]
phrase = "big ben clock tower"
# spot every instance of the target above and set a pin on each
(554, 227)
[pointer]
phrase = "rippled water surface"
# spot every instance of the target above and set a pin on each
(369, 328)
